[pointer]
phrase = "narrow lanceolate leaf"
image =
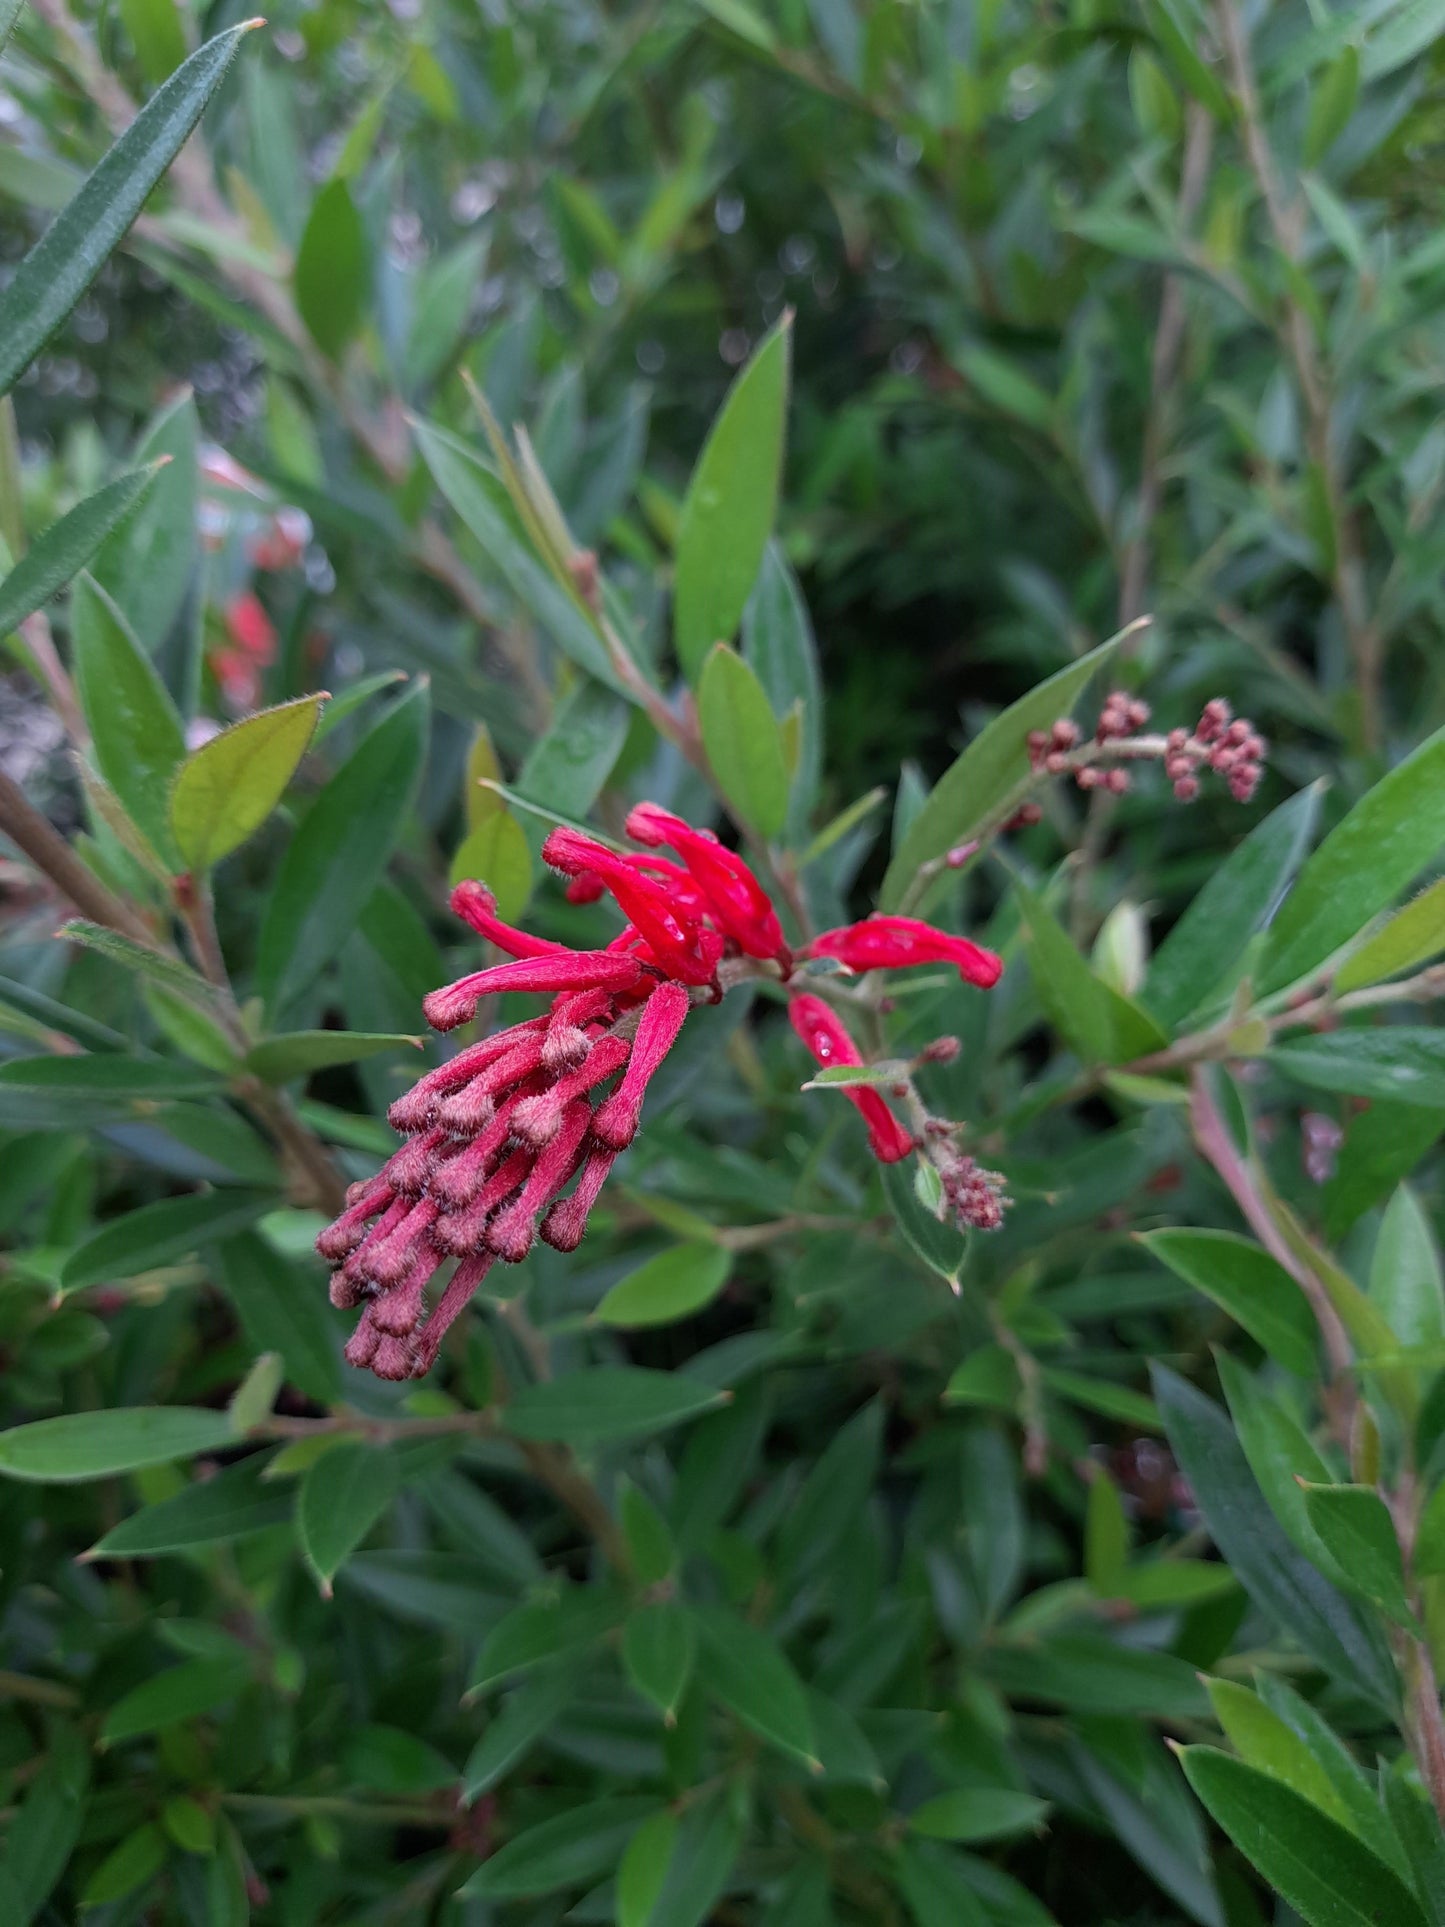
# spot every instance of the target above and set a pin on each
(337, 856)
(91, 1445)
(148, 565)
(1355, 1525)
(672, 1285)
(42, 1833)
(749, 1672)
(130, 955)
(67, 258)
(138, 736)
(1402, 1062)
(158, 1234)
(1205, 949)
(987, 779)
(226, 1506)
(518, 1723)
(66, 547)
(1412, 936)
(1361, 867)
(1405, 1275)
(1256, 1290)
(659, 1647)
(731, 501)
(1328, 1876)
(179, 1693)
(608, 1402)
(278, 1059)
(332, 269)
(743, 741)
(9, 14)
(571, 1848)
(45, 1092)
(342, 1497)
(225, 791)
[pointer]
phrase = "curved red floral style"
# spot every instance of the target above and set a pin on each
(497, 1134)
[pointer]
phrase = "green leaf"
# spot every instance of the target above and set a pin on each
(1162, 1585)
(709, 1838)
(1405, 1277)
(1102, 1025)
(748, 1671)
(517, 1725)
(1383, 1144)
(42, 1092)
(276, 1060)
(1005, 386)
(138, 736)
(1412, 936)
(480, 499)
(225, 791)
(568, 1850)
(41, 1836)
(778, 647)
(131, 955)
(731, 502)
(127, 1867)
(1281, 1454)
(1360, 868)
(156, 32)
(987, 780)
(158, 1234)
(68, 545)
(673, 1285)
(1357, 1792)
(338, 855)
(643, 1868)
(180, 1693)
(333, 272)
(1403, 1063)
(92, 1445)
(342, 1497)
(1106, 1533)
(226, 1506)
(659, 1648)
(1325, 1874)
(284, 1310)
(1262, 1739)
(934, 1890)
(1332, 102)
(1282, 1583)
(1417, 1827)
(496, 852)
(543, 1629)
(606, 1404)
(978, 1813)
(147, 567)
(1255, 1289)
(941, 1245)
(189, 1824)
(1355, 1525)
(67, 258)
(743, 742)
(567, 768)
(1205, 950)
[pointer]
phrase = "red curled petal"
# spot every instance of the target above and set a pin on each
(681, 946)
(474, 903)
(822, 1031)
(565, 970)
(893, 943)
(735, 896)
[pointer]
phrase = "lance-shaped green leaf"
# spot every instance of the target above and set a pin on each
(987, 780)
(73, 249)
(148, 565)
(1329, 1877)
(1255, 1289)
(332, 269)
(337, 856)
(45, 1092)
(749, 1672)
(226, 1506)
(276, 1060)
(1361, 867)
(731, 503)
(1405, 1276)
(607, 1403)
(743, 741)
(670, 1286)
(342, 1497)
(1404, 1063)
(659, 1648)
(1358, 1533)
(67, 546)
(179, 1693)
(1412, 936)
(227, 788)
(92, 1445)
(160, 1233)
(138, 736)
(574, 1847)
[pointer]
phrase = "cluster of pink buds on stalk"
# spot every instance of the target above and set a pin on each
(1219, 741)
(495, 1136)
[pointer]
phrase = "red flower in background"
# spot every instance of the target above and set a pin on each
(497, 1134)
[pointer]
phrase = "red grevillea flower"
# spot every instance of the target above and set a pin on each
(497, 1134)
(892, 943)
(822, 1032)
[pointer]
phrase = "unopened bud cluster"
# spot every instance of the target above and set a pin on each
(1229, 746)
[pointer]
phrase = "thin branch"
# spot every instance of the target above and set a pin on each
(30, 832)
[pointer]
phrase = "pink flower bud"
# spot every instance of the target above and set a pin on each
(565, 1223)
(474, 903)
(510, 1233)
(564, 970)
(615, 1122)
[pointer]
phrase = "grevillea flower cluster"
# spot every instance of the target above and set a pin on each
(497, 1134)
(1228, 745)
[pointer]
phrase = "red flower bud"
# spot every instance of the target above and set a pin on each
(566, 970)
(736, 898)
(893, 943)
(615, 1123)
(825, 1037)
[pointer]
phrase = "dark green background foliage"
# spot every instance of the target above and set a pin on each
(839, 1569)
